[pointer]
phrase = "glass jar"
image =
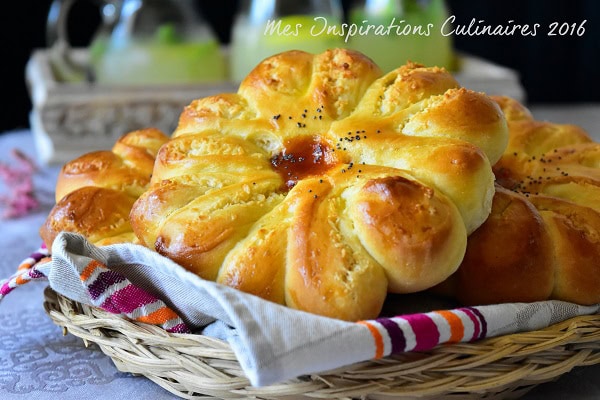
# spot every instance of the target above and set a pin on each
(157, 42)
(402, 30)
(266, 27)
(140, 42)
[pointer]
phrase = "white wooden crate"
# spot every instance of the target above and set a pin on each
(69, 119)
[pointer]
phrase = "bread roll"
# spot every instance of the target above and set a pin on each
(95, 192)
(508, 259)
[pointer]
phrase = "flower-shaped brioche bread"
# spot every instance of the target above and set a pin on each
(323, 185)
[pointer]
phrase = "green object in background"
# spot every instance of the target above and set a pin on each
(251, 43)
(163, 61)
(167, 34)
(143, 43)
(263, 28)
(416, 39)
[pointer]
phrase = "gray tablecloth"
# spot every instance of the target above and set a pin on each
(38, 362)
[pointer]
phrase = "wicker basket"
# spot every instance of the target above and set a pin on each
(193, 366)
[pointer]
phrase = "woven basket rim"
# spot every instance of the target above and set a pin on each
(196, 366)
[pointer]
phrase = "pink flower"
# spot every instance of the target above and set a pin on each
(18, 179)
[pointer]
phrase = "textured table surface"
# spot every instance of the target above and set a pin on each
(38, 362)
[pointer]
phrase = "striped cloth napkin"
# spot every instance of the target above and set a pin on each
(272, 343)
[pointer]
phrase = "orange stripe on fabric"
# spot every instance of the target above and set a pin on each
(159, 316)
(25, 265)
(457, 329)
(376, 336)
(20, 281)
(89, 270)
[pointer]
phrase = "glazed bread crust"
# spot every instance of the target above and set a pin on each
(508, 259)
(323, 184)
(542, 239)
(95, 192)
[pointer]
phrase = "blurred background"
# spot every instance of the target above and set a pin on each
(551, 69)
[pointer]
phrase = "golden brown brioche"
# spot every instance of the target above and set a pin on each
(530, 249)
(127, 167)
(542, 240)
(575, 233)
(96, 191)
(558, 160)
(534, 146)
(322, 184)
(100, 214)
(508, 259)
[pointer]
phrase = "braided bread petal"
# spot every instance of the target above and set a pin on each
(96, 191)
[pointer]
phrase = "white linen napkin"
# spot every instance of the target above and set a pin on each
(274, 343)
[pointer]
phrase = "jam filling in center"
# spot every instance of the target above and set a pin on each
(302, 157)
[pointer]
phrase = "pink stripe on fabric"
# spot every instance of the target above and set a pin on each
(108, 305)
(128, 299)
(5, 289)
(426, 331)
(179, 328)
